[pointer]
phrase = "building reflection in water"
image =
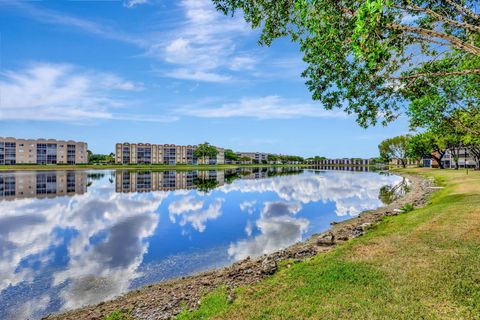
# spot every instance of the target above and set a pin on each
(146, 181)
(42, 184)
(348, 168)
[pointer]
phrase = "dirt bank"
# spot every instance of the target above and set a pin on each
(165, 300)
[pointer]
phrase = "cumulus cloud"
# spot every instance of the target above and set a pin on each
(248, 206)
(204, 47)
(192, 211)
(269, 107)
(63, 92)
(278, 229)
(351, 193)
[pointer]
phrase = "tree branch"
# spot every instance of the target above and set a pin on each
(438, 74)
(454, 41)
(439, 17)
(463, 9)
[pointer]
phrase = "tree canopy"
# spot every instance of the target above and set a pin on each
(230, 155)
(205, 150)
(395, 148)
(371, 57)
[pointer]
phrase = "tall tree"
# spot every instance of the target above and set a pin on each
(428, 144)
(362, 55)
(230, 155)
(395, 148)
(205, 150)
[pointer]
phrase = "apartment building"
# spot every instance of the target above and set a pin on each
(42, 151)
(408, 162)
(257, 157)
(465, 160)
(42, 184)
(342, 161)
(146, 153)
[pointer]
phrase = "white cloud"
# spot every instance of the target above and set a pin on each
(278, 229)
(204, 44)
(134, 3)
(351, 193)
(192, 211)
(269, 107)
(243, 63)
(248, 206)
(188, 74)
(63, 92)
(187, 203)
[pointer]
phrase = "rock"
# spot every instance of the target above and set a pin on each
(269, 266)
(333, 223)
(357, 232)
(365, 225)
(326, 239)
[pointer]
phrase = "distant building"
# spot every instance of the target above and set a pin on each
(465, 160)
(409, 162)
(42, 151)
(146, 153)
(341, 161)
(257, 157)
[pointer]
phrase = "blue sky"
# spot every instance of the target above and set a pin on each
(162, 71)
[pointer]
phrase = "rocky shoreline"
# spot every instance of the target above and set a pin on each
(166, 299)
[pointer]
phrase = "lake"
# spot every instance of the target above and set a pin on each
(71, 238)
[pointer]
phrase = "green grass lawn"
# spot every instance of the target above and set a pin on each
(421, 265)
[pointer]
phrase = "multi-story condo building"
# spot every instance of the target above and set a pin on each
(257, 157)
(465, 159)
(146, 153)
(342, 161)
(42, 184)
(42, 151)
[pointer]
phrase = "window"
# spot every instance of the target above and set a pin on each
(70, 154)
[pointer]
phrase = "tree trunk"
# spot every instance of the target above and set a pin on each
(439, 161)
(476, 156)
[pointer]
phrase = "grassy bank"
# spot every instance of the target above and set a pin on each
(420, 265)
(144, 167)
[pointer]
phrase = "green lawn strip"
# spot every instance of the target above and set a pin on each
(424, 264)
(118, 315)
(214, 303)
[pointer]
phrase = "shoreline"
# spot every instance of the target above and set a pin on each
(166, 299)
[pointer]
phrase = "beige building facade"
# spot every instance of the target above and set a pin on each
(132, 181)
(42, 151)
(42, 184)
(256, 157)
(146, 153)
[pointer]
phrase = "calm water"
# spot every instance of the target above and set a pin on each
(73, 238)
